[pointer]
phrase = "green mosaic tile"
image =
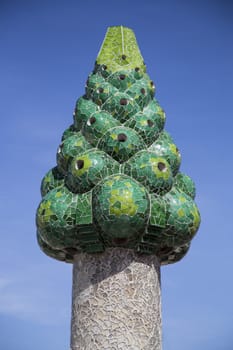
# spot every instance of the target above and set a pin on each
(88, 169)
(97, 125)
(122, 80)
(94, 81)
(184, 183)
(102, 93)
(140, 92)
(158, 213)
(57, 254)
(173, 255)
(56, 218)
(117, 181)
(163, 147)
(121, 106)
(51, 180)
(121, 143)
(120, 50)
(69, 148)
(151, 171)
(147, 126)
(183, 218)
(83, 110)
(69, 132)
(120, 208)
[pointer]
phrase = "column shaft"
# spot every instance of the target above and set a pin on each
(116, 301)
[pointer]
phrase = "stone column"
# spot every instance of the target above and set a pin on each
(116, 301)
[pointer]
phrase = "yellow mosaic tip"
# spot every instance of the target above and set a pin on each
(120, 50)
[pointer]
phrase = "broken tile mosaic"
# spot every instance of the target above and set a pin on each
(117, 180)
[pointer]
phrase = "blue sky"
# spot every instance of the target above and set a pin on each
(48, 48)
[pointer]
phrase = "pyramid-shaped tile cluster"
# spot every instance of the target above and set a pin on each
(117, 179)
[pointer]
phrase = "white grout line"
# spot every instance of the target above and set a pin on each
(122, 36)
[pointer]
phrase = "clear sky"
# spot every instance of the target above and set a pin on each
(47, 50)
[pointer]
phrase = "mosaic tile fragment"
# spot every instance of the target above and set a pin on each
(70, 131)
(83, 110)
(97, 125)
(121, 209)
(88, 169)
(53, 179)
(184, 183)
(121, 143)
(69, 148)
(151, 171)
(163, 147)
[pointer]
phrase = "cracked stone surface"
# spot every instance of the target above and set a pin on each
(116, 301)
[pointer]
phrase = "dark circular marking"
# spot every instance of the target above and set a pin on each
(137, 69)
(150, 123)
(100, 90)
(122, 137)
(123, 57)
(143, 91)
(161, 166)
(92, 120)
(122, 76)
(123, 101)
(80, 163)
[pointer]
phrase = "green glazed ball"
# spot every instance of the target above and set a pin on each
(121, 106)
(121, 143)
(140, 92)
(102, 69)
(172, 255)
(164, 136)
(122, 79)
(163, 147)
(150, 84)
(120, 208)
(151, 171)
(148, 123)
(69, 148)
(153, 111)
(154, 108)
(138, 73)
(57, 254)
(97, 125)
(83, 110)
(148, 127)
(88, 169)
(51, 180)
(183, 218)
(184, 183)
(56, 218)
(69, 132)
(102, 93)
(93, 82)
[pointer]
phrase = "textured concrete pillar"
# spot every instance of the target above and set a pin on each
(116, 301)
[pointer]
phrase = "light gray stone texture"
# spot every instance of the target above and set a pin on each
(116, 302)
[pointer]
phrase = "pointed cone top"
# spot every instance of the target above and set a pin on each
(120, 50)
